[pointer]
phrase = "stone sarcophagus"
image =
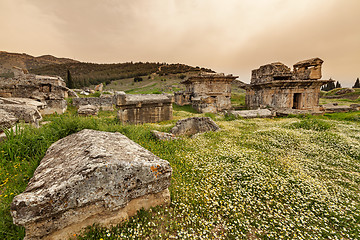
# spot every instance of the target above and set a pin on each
(143, 108)
(276, 86)
(207, 92)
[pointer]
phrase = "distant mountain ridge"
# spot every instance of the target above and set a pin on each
(85, 74)
(23, 60)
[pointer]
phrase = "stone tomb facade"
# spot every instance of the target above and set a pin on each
(207, 92)
(143, 108)
(276, 86)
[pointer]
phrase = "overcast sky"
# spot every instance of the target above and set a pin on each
(231, 36)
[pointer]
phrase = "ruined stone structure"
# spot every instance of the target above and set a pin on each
(143, 108)
(49, 90)
(275, 85)
(104, 102)
(90, 177)
(207, 92)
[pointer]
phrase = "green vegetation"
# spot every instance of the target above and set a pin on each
(86, 74)
(69, 82)
(238, 100)
(292, 178)
(333, 92)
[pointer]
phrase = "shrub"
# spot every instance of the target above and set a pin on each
(312, 124)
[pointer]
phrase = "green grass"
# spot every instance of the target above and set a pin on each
(291, 178)
(238, 99)
(333, 91)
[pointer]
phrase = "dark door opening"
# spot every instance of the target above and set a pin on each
(296, 101)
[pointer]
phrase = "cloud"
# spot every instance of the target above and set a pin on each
(231, 36)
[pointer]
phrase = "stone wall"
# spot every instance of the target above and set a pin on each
(277, 97)
(106, 103)
(207, 92)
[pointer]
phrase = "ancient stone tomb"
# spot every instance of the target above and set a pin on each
(90, 177)
(143, 108)
(275, 85)
(207, 92)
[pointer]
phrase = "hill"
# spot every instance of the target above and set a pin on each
(8, 60)
(86, 74)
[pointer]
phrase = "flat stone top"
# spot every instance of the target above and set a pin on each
(25, 101)
(147, 98)
(89, 148)
(309, 62)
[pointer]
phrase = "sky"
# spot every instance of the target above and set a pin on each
(230, 36)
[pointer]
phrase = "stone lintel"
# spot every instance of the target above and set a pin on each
(289, 83)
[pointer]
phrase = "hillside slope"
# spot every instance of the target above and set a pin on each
(8, 60)
(86, 74)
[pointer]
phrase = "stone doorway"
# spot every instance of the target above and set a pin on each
(297, 101)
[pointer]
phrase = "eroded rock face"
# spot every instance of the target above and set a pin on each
(90, 176)
(88, 110)
(191, 126)
(6, 119)
(164, 136)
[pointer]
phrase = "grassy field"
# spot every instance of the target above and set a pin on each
(291, 178)
(150, 84)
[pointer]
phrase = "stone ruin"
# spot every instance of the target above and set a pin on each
(28, 96)
(144, 108)
(207, 92)
(133, 108)
(276, 86)
(90, 177)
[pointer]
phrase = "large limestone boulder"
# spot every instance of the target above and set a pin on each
(6, 119)
(194, 125)
(90, 177)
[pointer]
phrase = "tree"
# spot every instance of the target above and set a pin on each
(329, 86)
(357, 84)
(70, 82)
(338, 85)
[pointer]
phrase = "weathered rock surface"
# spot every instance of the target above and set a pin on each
(6, 119)
(23, 112)
(259, 113)
(90, 176)
(334, 107)
(191, 126)
(283, 112)
(24, 101)
(87, 110)
(163, 135)
(106, 103)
